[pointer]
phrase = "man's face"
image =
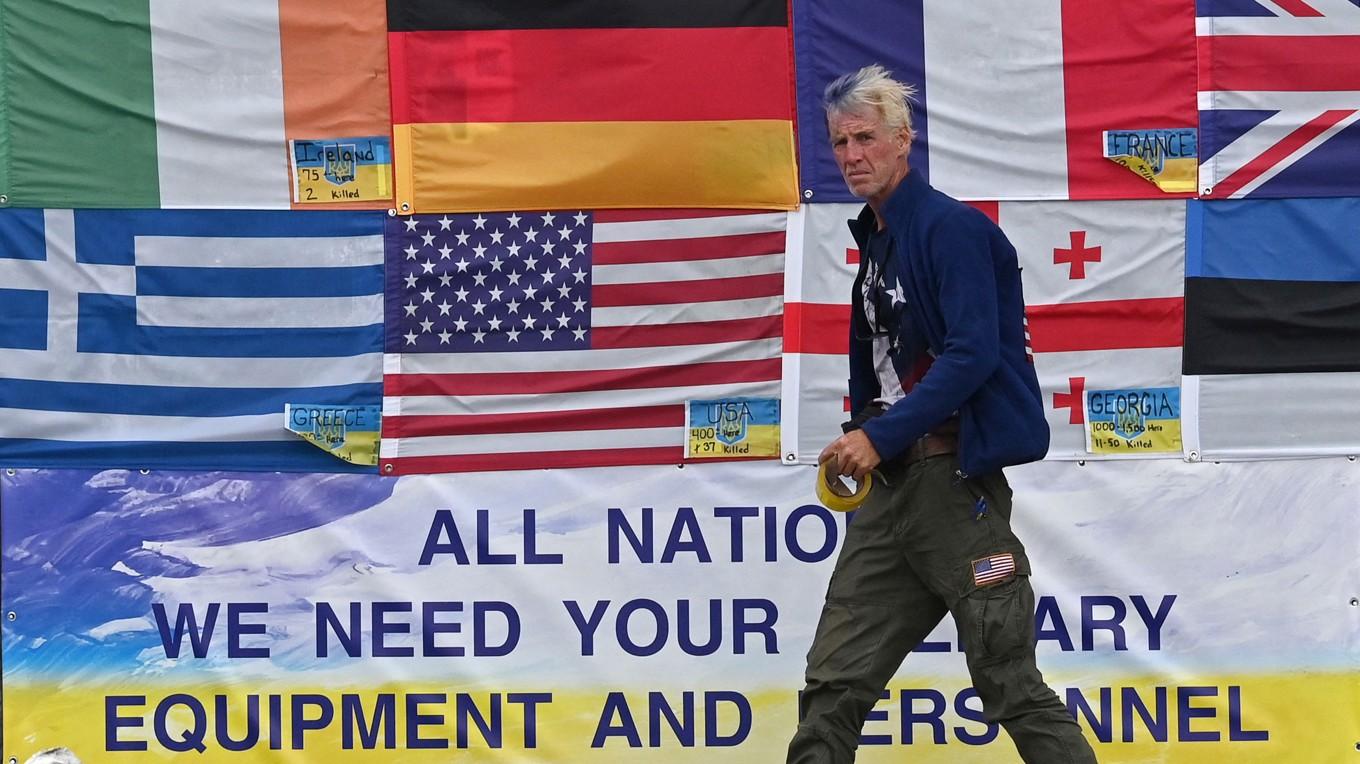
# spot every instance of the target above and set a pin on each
(871, 156)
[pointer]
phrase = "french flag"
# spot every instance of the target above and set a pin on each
(1013, 98)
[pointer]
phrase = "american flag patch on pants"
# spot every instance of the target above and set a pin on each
(990, 570)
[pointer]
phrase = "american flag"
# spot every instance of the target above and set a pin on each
(530, 340)
(990, 570)
(1279, 98)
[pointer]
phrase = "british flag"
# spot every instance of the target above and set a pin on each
(1279, 98)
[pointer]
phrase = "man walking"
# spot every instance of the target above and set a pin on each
(943, 386)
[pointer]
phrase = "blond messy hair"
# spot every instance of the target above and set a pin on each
(872, 87)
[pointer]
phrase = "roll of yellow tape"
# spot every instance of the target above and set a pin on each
(834, 494)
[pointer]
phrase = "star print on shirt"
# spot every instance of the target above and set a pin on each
(899, 297)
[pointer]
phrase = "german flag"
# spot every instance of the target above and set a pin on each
(589, 104)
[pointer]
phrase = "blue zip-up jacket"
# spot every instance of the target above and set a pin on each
(961, 282)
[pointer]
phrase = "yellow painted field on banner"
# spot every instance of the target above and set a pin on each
(1250, 719)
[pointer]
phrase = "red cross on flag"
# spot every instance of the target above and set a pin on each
(1117, 324)
(1072, 399)
(1077, 255)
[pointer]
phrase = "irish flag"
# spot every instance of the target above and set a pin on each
(181, 103)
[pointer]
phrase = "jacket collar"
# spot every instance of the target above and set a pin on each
(900, 208)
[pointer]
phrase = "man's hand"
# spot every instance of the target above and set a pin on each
(851, 454)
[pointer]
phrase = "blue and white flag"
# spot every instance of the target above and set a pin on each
(1272, 329)
(174, 338)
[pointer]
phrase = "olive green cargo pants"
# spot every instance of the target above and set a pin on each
(908, 558)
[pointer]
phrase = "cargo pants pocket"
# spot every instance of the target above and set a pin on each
(998, 619)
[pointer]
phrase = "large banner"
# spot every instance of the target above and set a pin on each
(1187, 613)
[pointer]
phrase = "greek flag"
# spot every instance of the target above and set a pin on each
(174, 338)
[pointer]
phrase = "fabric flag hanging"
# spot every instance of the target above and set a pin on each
(618, 103)
(184, 103)
(569, 339)
(174, 338)
(1013, 98)
(1103, 292)
(1279, 98)
(1272, 331)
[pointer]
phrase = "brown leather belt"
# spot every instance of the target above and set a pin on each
(932, 444)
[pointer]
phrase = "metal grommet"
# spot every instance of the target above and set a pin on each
(1208, 191)
(144, 471)
(391, 212)
(11, 616)
(388, 468)
(405, 206)
(10, 471)
(790, 458)
(1081, 462)
(1355, 601)
(1350, 458)
(807, 193)
(4, 199)
(1193, 456)
(679, 466)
